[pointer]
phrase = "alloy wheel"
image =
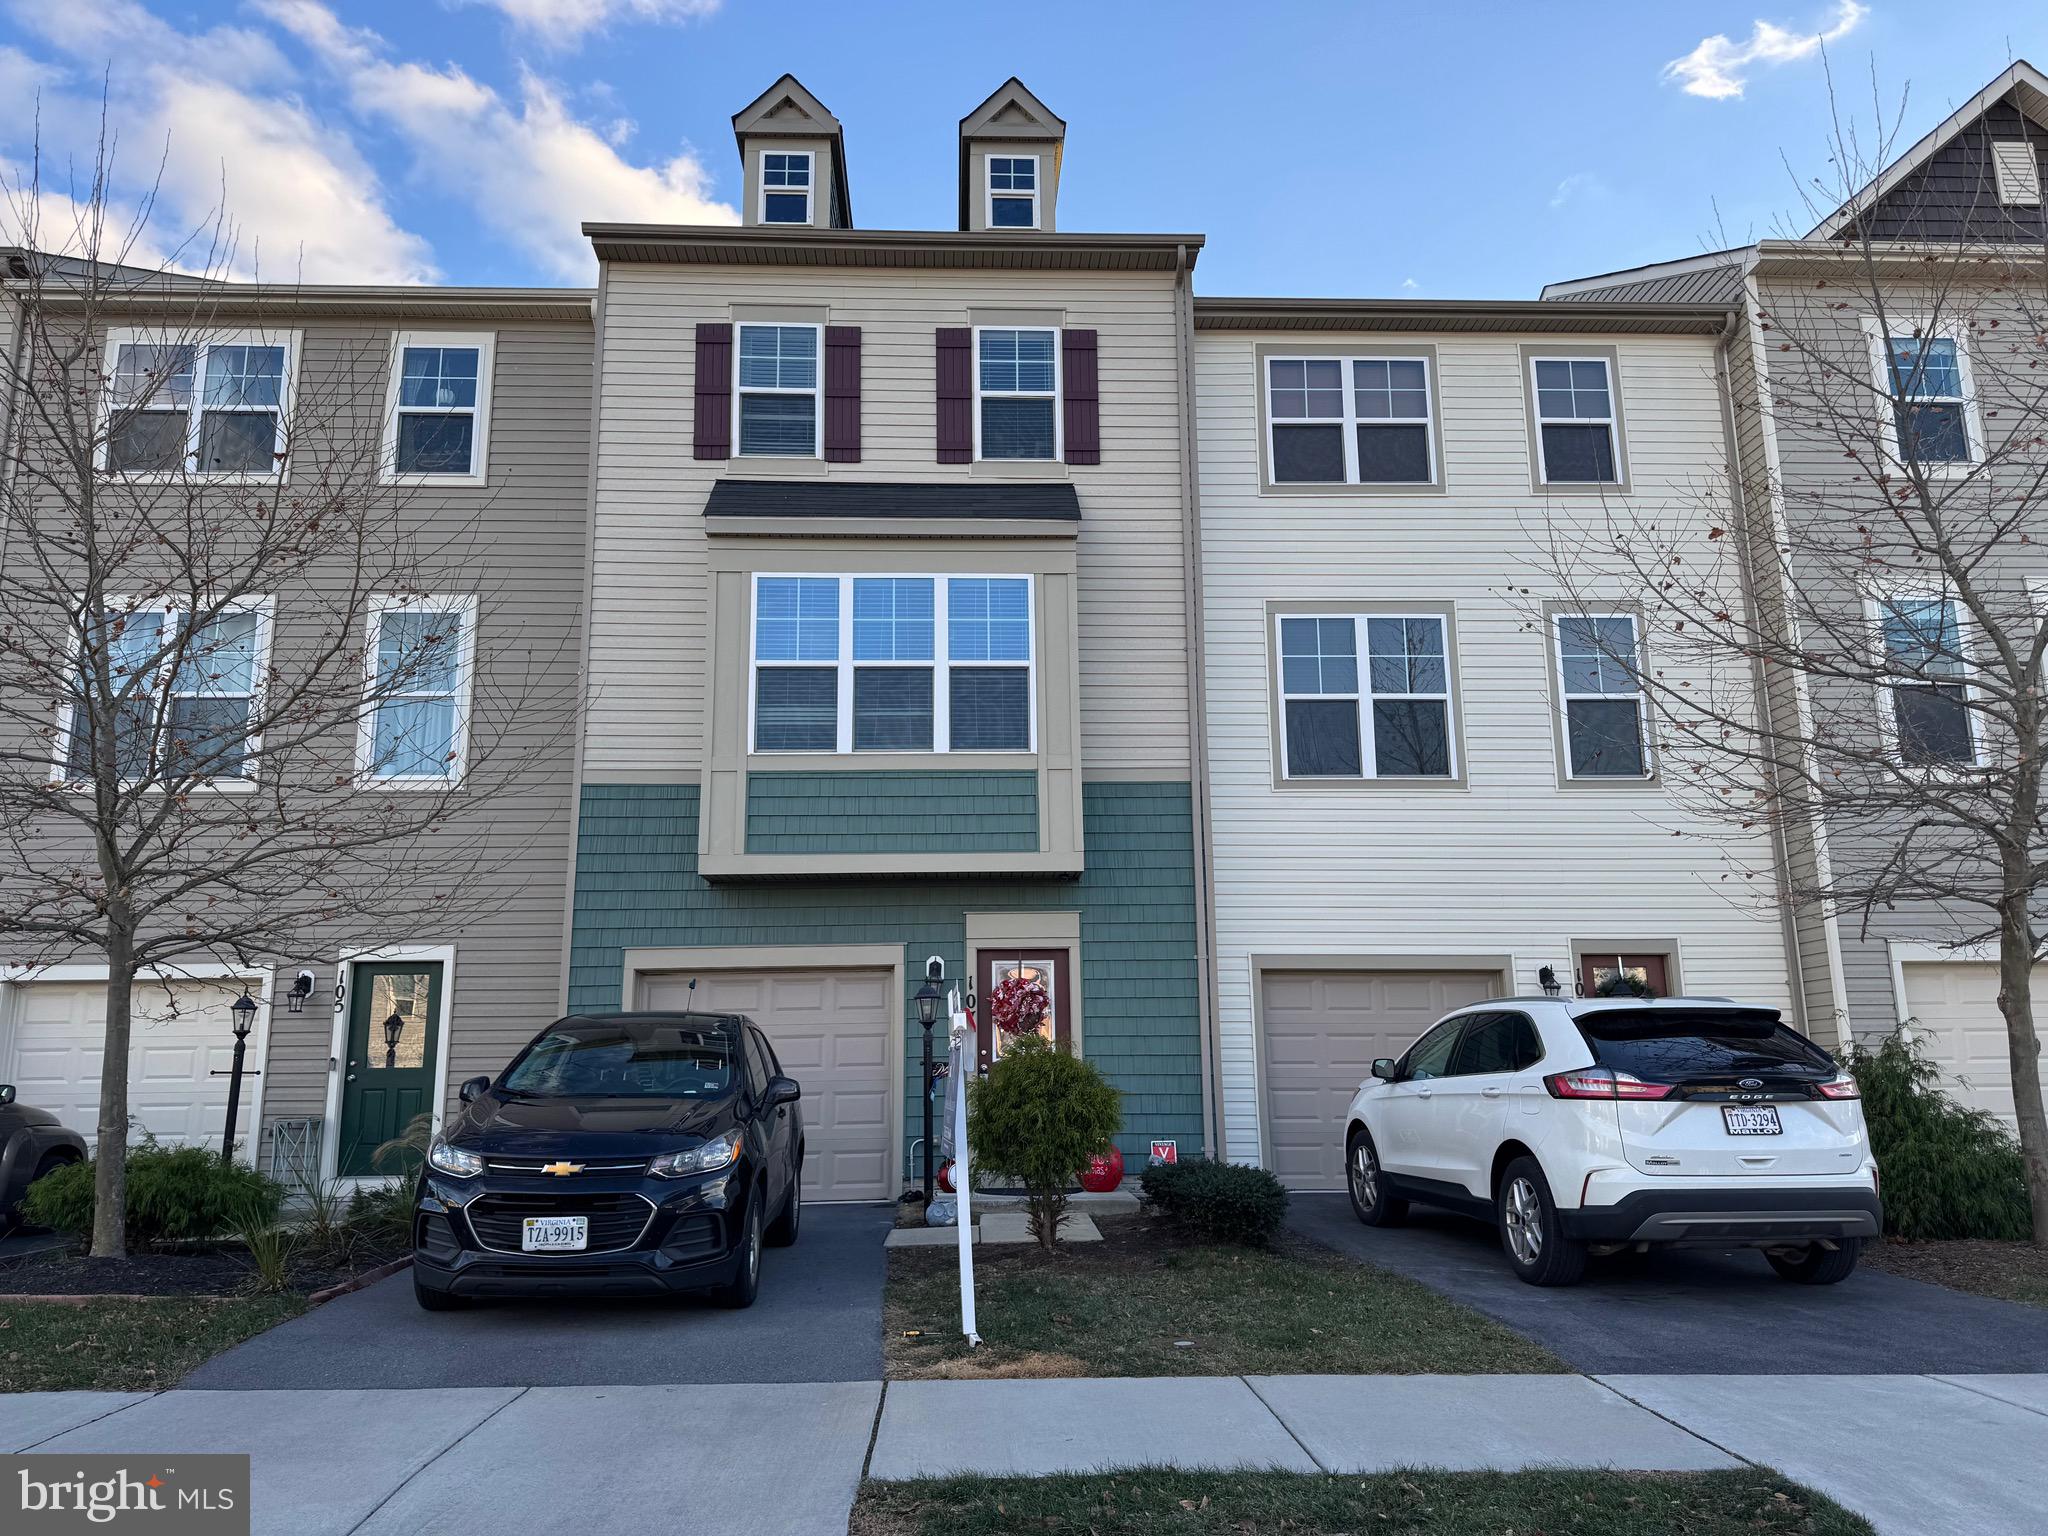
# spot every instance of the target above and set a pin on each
(1523, 1212)
(1365, 1176)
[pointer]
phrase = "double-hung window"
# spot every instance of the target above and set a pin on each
(1927, 682)
(420, 659)
(776, 394)
(1350, 420)
(191, 695)
(1927, 378)
(1577, 431)
(889, 663)
(440, 407)
(1365, 696)
(786, 186)
(1013, 191)
(1016, 409)
(207, 407)
(1599, 671)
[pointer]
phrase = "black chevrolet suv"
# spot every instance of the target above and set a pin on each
(619, 1154)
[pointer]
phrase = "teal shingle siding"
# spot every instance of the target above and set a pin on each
(914, 812)
(637, 887)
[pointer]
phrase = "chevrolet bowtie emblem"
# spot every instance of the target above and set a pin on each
(561, 1170)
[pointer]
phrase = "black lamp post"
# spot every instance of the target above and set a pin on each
(928, 997)
(244, 1011)
(393, 1028)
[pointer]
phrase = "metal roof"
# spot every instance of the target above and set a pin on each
(1052, 501)
(1581, 316)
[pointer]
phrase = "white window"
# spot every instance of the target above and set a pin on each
(1012, 192)
(776, 391)
(1016, 393)
(1576, 436)
(1927, 717)
(2017, 165)
(418, 666)
(186, 698)
(887, 663)
(438, 414)
(786, 186)
(214, 407)
(1926, 375)
(1349, 420)
(1385, 719)
(1599, 674)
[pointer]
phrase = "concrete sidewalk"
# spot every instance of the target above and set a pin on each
(1914, 1454)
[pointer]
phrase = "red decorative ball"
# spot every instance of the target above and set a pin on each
(1104, 1172)
(945, 1176)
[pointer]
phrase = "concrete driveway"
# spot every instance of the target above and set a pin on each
(818, 1319)
(1697, 1311)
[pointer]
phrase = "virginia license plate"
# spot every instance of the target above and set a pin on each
(1752, 1119)
(555, 1234)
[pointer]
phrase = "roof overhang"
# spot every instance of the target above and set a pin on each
(1896, 259)
(766, 246)
(1497, 315)
(285, 302)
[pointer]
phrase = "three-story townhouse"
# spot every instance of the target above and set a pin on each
(1431, 782)
(890, 654)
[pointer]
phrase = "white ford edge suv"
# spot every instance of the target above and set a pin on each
(1584, 1126)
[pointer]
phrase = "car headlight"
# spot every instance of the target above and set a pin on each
(712, 1155)
(454, 1160)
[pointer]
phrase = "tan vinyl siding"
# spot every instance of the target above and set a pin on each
(1512, 864)
(647, 712)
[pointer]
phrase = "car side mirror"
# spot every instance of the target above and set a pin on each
(781, 1091)
(6, 1094)
(1383, 1069)
(474, 1089)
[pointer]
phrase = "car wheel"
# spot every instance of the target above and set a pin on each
(1815, 1265)
(746, 1282)
(1530, 1231)
(431, 1300)
(1371, 1201)
(783, 1232)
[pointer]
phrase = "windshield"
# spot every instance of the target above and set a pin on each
(1662, 1045)
(637, 1059)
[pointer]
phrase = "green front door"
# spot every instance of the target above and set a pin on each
(388, 1074)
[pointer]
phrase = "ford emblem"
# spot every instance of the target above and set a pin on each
(1751, 1082)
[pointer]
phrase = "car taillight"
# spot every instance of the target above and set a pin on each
(1603, 1083)
(1843, 1087)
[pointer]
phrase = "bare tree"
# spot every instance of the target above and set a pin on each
(1845, 635)
(225, 635)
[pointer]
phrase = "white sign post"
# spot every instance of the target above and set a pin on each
(959, 1068)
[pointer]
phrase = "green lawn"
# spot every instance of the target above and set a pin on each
(1744, 1503)
(125, 1346)
(1145, 1303)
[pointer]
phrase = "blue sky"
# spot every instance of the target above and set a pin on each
(1469, 150)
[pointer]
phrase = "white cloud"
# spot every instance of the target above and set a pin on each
(1409, 285)
(530, 169)
(1580, 186)
(1719, 68)
(563, 23)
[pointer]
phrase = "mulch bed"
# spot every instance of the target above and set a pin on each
(2009, 1271)
(224, 1271)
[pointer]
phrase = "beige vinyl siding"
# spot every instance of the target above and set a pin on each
(647, 711)
(1513, 864)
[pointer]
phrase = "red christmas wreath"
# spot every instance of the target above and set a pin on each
(1019, 1005)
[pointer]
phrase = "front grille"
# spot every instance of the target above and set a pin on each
(616, 1221)
(538, 1167)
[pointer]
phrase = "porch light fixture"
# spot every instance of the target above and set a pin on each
(302, 988)
(1547, 979)
(244, 1010)
(393, 1028)
(928, 998)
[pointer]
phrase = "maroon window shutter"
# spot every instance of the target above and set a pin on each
(1083, 398)
(956, 395)
(842, 394)
(714, 392)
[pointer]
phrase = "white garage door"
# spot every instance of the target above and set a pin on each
(1954, 1003)
(830, 1030)
(1323, 1030)
(182, 1034)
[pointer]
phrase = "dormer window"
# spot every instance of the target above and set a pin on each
(1013, 191)
(786, 183)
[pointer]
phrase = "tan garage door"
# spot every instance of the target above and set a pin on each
(1954, 1006)
(830, 1030)
(1322, 1031)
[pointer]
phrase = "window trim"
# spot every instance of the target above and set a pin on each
(1445, 614)
(1554, 626)
(195, 414)
(810, 190)
(940, 665)
(1351, 421)
(484, 343)
(1879, 336)
(366, 722)
(1888, 683)
(816, 392)
(1531, 356)
(1058, 395)
(988, 191)
(264, 607)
